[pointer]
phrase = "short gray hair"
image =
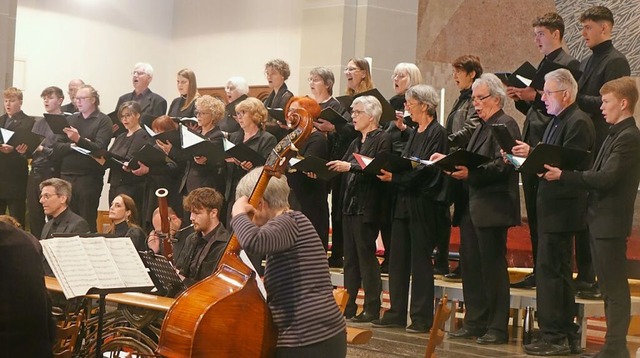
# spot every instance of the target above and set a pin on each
(146, 67)
(276, 194)
(372, 106)
(62, 187)
(415, 76)
(565, 81)
(495, 86)
(241, 84)
(424, 94)
(327, 77)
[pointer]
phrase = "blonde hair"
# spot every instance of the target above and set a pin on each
(256, 109)
(213, 104)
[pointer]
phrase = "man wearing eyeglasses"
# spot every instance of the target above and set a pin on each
(561, 212)
(548, 31)
(153, 105)
(55, 195)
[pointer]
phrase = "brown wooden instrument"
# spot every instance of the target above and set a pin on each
(225, 315)
(165, 226)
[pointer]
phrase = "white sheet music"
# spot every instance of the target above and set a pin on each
(6, 134)
(247, 261)
(227, 144)
(189, 138)
(80, 264)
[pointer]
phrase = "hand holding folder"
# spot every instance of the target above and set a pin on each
(243, 153)
(14, 139)
(460, 157)
(387, 161)
(313, 164)
(554, 155)
(200, 146)
(57, 123)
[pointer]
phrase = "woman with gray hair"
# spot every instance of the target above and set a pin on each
(236, 90)
(277, 72)
(364, 195)
(300, 292)
(420, 217)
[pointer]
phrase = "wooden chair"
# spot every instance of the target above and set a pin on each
(66, 338)
(354, 335)
(437, 333)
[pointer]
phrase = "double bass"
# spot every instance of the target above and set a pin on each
(225, 314)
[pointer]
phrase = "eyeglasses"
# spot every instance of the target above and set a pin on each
(126, 115)
(47, 196)
(478, 99)
(351, 69)
(138, 73)
(399, 76)
(314, 79)
(240, 114)
(198, 113)
(549, 93)
(355, 113)
(81, 98)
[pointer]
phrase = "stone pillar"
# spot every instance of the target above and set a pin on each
(335, 31)
(7, 41)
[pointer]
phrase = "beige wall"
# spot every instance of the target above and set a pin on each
(7, 29)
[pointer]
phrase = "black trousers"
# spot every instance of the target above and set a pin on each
(17, 208)
(485, 280)
(361, 264)
(36, 213)
(556, 305)
(610, 259)
(530, 190)
(85, 198)
(413, 240)
(335, 346)
(337, 241)
(584, 261)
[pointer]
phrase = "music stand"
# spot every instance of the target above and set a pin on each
(162, 274)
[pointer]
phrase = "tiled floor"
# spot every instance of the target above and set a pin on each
(395, 342)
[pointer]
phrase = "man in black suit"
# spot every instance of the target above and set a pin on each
(74, 85)
(14, 171)
(561, 212)
(548, 32)
(26, 327)
(153, 105)
(612, 183)
(493, 206)
(605, 64)
(55, 195)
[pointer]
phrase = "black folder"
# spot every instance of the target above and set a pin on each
(504, 137)
(330, 114)
(548, 66)
(199, 146)
(461, 157)
(243, 153)
(29, 138)
(172, 136)
(503, 76)
(526, 70)
(150, 156)
(387, 161)
(554, 155)
(315, 165)
(388, 112)
(345, 101)
(57, 123)
(277, 114)
(116, 121)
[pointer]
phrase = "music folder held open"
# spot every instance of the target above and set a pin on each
(504, 137)
(243, 153)
(85, 265)
(16, 138)
(277, 114)
(172, 136)
(520, 78)
(554, 155)
(314, 165)
(387, 161)
(57, 123)
(330, 114)
(460, 157)
(116, 122)
(151, 157)
(388, 113)
(200, 146)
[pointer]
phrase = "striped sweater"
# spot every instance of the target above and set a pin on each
(296, 277)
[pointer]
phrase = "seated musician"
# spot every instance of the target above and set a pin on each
(205, 246)
(55, 196)
(154, 241)
(124, 218)
(300, 294)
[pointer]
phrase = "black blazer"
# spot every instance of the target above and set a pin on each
(153, 105)
(277, 100)
(537, 117)
(563, 208)
(25, 308)
(69, 223)
(494, 196)
(207, 264)
(175, 109)
(612, 182)
(13, 166)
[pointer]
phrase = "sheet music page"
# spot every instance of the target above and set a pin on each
(227, 144)
(105, 267)
(247, 261)
(524, 80)
(6, 134)
(74, 269)
(189, 139)
(132, 269)
(80, 149)
(150, 131)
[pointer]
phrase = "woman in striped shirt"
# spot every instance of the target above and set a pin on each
(296, 275)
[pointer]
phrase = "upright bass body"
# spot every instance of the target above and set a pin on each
(225, 315)
(209, 325)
